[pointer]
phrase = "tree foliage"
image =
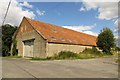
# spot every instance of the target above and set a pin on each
(7, 33)
(105, 40)
(14, 50)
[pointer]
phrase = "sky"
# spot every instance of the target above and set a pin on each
(85, 16)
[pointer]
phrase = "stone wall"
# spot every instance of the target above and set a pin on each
(26, 32)
(53, 48)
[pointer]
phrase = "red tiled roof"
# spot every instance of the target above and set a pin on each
(57, 34)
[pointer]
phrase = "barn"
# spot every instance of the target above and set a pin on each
(40, 39)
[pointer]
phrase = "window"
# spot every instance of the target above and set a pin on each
(53, 37)
(54, 31)
(62, 39)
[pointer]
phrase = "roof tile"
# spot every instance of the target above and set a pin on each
(69, 36)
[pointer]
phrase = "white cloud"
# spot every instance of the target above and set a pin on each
(82, 9)
(40, 12)
(15, 13)
(91, 33)
(26, 4)
(79, 28)
(117, 23)
(84, 29)
(107, 10)
(89, 5)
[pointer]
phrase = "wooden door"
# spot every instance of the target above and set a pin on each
(28, 48)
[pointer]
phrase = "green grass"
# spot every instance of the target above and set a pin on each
(117, 55)
(64, 55)
(117, 60)
(36, 58)
(88, 53)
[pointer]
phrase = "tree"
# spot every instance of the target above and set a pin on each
(7, 33)
(105, 40)
(14, 50)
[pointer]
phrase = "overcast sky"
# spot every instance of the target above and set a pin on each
(85, 16)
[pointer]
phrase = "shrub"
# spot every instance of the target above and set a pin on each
(90, 53)
(14, 50)
(86, 54)
(65, 55)
(92, 50)
(117, 48)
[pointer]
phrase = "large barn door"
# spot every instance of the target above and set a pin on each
(28, 48)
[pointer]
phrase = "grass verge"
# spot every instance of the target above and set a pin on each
(88, 53)
(36, 58)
